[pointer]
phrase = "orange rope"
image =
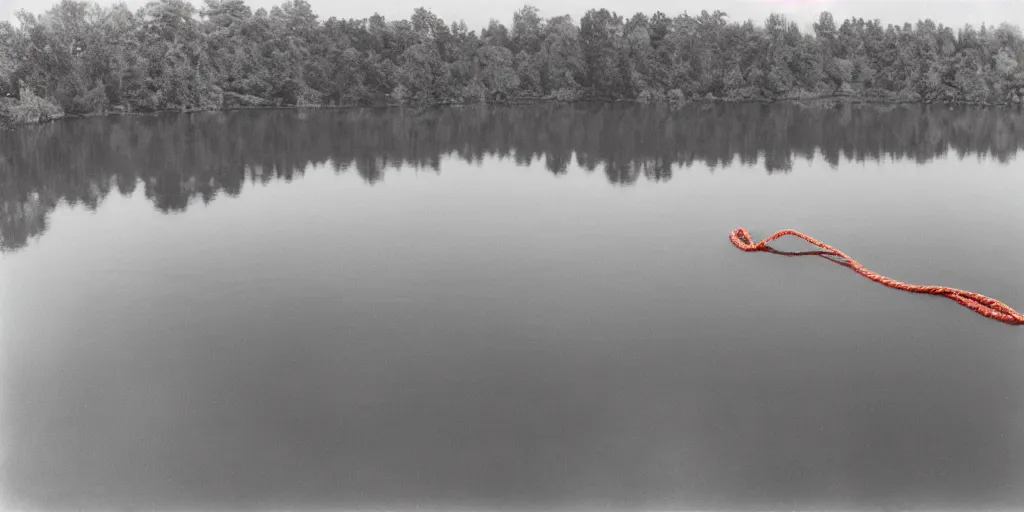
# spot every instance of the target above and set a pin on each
(979, 303)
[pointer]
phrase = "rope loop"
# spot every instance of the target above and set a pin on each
(976, 302)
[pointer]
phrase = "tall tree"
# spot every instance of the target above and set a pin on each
(85, 58)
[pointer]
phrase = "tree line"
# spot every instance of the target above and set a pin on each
(179, 160)
(80, 58)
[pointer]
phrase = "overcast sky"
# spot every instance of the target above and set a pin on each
(476, 13)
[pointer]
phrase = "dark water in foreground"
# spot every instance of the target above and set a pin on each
(509, 308)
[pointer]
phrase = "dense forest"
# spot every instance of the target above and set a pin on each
(182, 160)
(79, 58)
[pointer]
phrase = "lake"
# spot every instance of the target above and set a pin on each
(510, 308)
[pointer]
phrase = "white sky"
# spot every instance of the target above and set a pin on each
(476, 13)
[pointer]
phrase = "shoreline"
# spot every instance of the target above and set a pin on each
(827, 101)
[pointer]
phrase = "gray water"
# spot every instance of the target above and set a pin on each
(510, 308)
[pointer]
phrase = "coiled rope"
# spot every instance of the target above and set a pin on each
(979, 303)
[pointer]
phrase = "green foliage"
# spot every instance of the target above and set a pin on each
(474, 92)
(295, 93)
(566, 94)
(29, 108)
(497, 71)
(648, 95)
(235, 100)
(92, 101)
(676, 98)
(87, 59)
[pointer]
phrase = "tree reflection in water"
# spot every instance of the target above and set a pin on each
(180, 158)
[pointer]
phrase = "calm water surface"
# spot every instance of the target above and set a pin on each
(517, 308)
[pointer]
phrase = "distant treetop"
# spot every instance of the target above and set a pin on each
(169, 54)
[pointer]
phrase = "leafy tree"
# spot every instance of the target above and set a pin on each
(86, 58)
(424, 76)
(497, 71)
(527, 30)
(8, 59)
(601, 36)
(562, 61)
